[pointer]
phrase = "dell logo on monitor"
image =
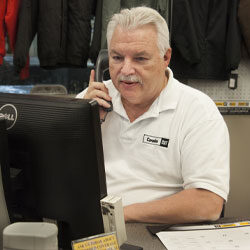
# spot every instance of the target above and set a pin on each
(10, 114)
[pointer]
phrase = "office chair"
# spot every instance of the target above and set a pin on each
(49, 89)
(102, 66)
(223, 211)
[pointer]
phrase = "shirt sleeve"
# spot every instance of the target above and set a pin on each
(205, 157)
(26, 31)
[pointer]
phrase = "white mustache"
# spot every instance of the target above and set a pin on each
(130, 78)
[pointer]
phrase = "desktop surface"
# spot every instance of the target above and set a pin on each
(138, 234)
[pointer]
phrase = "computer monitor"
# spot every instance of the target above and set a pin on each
(56, 167)
(4, 217)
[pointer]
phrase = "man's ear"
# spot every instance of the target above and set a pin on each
(167, 57)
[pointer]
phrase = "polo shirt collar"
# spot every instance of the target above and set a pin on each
(169, 96)
(167, 99)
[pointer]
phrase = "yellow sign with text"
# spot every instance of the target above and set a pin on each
(101, 242)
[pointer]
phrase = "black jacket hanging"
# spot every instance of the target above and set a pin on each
(244, 21)
(63, 32)
(206, 39)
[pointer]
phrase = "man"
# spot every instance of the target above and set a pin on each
(166, 146)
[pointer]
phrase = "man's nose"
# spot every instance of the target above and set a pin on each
(127, 68)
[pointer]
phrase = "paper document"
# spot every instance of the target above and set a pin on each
(236, 236)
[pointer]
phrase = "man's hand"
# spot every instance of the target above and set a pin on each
(98, 92)
(190, 205)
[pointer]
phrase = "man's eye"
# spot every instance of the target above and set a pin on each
(140, 58)
(117, 58)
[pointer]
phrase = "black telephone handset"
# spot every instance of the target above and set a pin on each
(102, 64)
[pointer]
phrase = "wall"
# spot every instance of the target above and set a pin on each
(239, 197)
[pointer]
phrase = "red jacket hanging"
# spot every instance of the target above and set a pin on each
(8, 24)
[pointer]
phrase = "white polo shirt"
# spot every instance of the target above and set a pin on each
(181, 142)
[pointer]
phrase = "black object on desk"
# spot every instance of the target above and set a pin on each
(126, 246)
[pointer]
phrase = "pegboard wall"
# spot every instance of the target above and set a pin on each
(234, 100)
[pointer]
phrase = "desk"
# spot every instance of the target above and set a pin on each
(138, 235)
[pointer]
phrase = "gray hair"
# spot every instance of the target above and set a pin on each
(139, 16)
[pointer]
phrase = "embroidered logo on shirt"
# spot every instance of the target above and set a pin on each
(149, 139)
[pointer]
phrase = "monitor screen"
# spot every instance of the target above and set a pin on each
(56, 167)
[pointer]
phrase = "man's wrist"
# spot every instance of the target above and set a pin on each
(132, 213)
